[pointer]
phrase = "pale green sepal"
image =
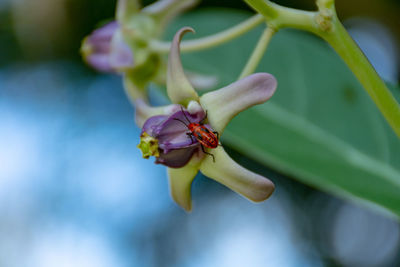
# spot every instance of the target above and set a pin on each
(224, 104)
(132, 90)
(180, 183)
(86, 48)
(179, 88)
(148, 70)
(138, 97)
(227, 172)
(140, 28)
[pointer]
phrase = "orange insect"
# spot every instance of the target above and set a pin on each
(204, 136)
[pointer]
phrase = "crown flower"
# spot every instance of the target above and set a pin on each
(175, 147)
(181, 152)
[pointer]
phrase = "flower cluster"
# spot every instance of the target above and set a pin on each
(106, 51)
(174, 134)
(166, 138)
(122, 45)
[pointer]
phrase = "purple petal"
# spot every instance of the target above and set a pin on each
(99, 62)
(121, 54)
(178, 157)
(173, 133)
(105, 49)
(153, 124)
(176, 147)
(103, 35)
(143, 111)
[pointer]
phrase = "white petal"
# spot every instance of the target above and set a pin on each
(227, 172)
(195, 108)
(179, 89)
(224, 104)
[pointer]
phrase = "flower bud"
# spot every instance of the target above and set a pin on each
(106, 51)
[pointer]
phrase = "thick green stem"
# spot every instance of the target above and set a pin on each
(258, 52)
(348, 50)
(280, 17)
(325, 24)
(325, 4)
(212, 40)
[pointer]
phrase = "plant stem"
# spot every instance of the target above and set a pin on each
(280, 17)
(325, 4)
(348, 50)
(126, 8)
(258, 52)
(325, 24)
(212, 40)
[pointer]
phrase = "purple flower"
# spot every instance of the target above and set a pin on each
(166, 138)
(105, 50)
(175, 147)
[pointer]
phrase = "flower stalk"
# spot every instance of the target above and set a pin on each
(211, 40)
(351, 54)
(326, 25)
(258, 52)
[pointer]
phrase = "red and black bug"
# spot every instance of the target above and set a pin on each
(204, 136)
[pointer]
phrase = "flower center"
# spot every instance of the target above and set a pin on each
(148, 145)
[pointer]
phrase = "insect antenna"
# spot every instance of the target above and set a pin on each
(185, 115)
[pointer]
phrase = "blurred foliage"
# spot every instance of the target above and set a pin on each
(8, 42)
(81, 17)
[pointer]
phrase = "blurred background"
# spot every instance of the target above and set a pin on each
(74, 190)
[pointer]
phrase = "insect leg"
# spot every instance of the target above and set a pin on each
(190, 135)
(205, 117)
(202, 148)
(217, 134)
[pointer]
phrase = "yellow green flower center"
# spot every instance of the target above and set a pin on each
(148, 145)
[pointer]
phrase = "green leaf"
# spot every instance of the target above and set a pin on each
(320, 127)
